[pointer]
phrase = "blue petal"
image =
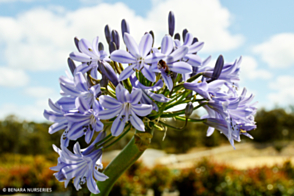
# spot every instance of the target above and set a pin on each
(110, 113)
(177, 54)
(168, 81)
(137, 122)
(77, 149)
(145, 44)
(92, 186)
(80, 57)
(193, 60)
(210, 131)
(188, 39)
(89, 135)
(154, 58)
(83, 68)
(196, 47)
(166, 45)
(80, 82)
(69, 90)
(77, 117)
(53, 106)
(117, 126)
(53, 116)
(131, 45)
(82, 105)
(126, 73)
(95, 45)
(57, 126)
(109, 102)
(148, 74)
(135, 96)
(180, 67)
(66, 103)
(85, 47)
(142, 109)
(122, 56)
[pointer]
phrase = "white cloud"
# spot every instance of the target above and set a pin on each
(13, 77)
(278, 51)
(41, 39)
(39, 92)
(249, 69)
(284, 90)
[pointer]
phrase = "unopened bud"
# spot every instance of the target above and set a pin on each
(171, 23)
(218, 67)
(124, 27)
(100, 46)
(107, 32)
(189, 109)
(112, 47)
(71, 65)
(77, 43)
(152, 34)
(185, 31)
(177, 36)
(115, 38)
(195, 39)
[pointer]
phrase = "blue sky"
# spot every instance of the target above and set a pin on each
(36, 37)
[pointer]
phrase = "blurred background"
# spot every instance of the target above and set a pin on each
(36, 37)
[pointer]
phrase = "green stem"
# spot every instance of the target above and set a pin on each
(128, 156)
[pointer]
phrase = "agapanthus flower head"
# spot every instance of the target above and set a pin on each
(139, 87)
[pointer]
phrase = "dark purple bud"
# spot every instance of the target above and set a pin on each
(107, 32)
(171, 23)
(189, 109)
(185, 31)
(104, 81)
(108, 71)
(112, 47)
(115, 38)
(71, 65)
(77, 43)
(194, 71)
(195, 40)
(124, 27)
(218, 67)
(100, 46)
(177, 36)
(152, 34)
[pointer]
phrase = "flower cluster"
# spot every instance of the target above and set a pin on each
(122, 89)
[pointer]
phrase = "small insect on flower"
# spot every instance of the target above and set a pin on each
(163, 65)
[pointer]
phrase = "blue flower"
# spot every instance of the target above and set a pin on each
(138, 56)
(147, 92)
(84, 121)
(126, 107)
(81, 166)
(172, 61)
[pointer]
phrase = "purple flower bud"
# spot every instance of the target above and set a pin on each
(104, 81)
(71, 65)
(112, 47)
(77, 43)
(107, 70)
(124, 27)
(195, 40)
(177, 36)
(100, 46)
(189, 109)
(115, 38)
(152, 34)
(107, 31)
(218, 67)
(185, 31)
(171, 23)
